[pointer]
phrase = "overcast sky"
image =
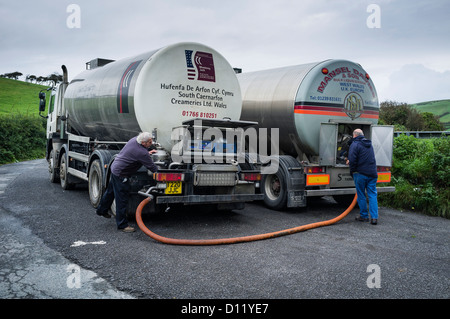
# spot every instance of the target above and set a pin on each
(408, 56)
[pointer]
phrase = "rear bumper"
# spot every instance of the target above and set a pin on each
(343, 191)
(208, 199)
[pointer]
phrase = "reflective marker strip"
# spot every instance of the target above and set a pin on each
(317, 179)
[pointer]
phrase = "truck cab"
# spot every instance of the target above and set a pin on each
(56, 130)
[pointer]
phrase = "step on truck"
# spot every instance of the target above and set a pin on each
(315, 108)
(178, 93)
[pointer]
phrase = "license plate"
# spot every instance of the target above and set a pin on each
(173, 188)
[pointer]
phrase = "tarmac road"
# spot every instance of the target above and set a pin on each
(53, 245)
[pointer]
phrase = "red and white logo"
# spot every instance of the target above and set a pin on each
(200, 66)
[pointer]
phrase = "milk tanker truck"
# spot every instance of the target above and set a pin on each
(315, 108)
(187, 95)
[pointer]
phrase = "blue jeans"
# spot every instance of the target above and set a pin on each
(364, 183)
(118, 189)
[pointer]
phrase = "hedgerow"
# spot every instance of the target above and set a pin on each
(22, 137)
(421, 175)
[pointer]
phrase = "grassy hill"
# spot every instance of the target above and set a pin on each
(21, 128)
(18, 97)
(440, 108)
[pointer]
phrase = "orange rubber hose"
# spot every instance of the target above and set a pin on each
(234, 240)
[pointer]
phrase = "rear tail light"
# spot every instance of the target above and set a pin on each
(168, 177)
(314, 169)
(251, 177)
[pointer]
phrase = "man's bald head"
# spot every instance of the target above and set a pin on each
(358, 132)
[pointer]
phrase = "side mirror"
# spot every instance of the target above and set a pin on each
(41, 101)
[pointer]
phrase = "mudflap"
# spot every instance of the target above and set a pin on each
(295, 181)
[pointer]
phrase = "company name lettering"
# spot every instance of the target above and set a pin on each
(343, 70)
(198, 95)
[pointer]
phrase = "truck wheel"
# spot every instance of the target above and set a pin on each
(63, 173)
(133, 203)
(54, 173)
(96, 188)
(274, 190)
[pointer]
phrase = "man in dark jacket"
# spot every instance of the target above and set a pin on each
(133, 155)
(363, 169)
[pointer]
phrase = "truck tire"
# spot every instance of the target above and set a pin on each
(96, 188)
(273, 186)
(53, 171)
(276, 187)
(63, 173)
(133, 203)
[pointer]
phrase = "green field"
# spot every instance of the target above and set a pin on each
(440, 108)
(21, 128)
(18, 97)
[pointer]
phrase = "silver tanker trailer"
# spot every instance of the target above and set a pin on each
(315, 107)
(178, 93)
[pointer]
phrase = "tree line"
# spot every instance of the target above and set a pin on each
(406, 118)
(52, 79)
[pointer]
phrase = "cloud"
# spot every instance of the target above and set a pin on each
(415, 83)
(250, 34)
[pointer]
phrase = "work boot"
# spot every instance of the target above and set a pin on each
(361, 219)
(106, 215)
(127, 229)
(374, 221)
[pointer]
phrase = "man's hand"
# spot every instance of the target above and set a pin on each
(152, 152)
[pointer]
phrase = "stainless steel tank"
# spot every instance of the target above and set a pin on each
(158, 89)
(296, 99)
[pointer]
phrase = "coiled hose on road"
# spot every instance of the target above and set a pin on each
(234, 240)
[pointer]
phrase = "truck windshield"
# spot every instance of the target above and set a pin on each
(52, 103)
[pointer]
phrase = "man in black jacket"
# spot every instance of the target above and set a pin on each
(363, 169)
(133, 155)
